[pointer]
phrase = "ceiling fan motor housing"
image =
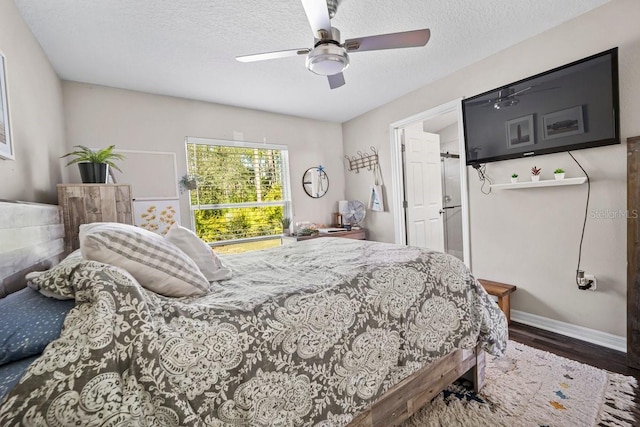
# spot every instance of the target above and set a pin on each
(327, 59)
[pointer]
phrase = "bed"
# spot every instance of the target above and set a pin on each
(328, 332)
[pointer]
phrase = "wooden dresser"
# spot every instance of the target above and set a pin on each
(360, 234)
(86, 203)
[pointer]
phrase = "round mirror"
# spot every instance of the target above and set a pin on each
(315, 182)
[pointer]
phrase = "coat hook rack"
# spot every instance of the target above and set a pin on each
(363, 160)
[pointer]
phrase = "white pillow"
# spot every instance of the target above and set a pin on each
(156, 263)
(209, 264)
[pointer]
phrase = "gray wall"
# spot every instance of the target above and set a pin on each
(35, 108)
(530, 237)
(98, 116)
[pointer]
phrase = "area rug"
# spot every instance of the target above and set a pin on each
(529, 387)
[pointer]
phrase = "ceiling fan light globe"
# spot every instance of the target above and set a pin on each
(327, 60)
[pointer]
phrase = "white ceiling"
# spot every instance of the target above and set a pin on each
(186, 48)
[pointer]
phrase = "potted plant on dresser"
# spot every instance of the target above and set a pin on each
(94, 165)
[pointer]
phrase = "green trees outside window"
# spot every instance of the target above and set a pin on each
(240, 191)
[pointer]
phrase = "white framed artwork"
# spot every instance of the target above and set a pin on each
(6, 142)
(563, 123)
(153, 175)
(520, 132)
(156, 215)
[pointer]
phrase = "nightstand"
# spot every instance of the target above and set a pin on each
(86, 203)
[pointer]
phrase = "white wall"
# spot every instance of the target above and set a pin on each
(99, 116)
(35, 108)
(449, 140)
(530, 238)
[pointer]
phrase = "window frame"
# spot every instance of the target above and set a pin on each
(286, 185)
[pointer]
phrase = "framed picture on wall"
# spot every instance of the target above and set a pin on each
(152, 174)
(6, 143)
(520, 132)
(563, 123)
(156, 215)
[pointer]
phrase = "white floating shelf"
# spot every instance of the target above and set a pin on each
(543, 183)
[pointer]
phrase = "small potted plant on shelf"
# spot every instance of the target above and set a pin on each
(535, 174)
(307, 231)
(188, 183)
(558, 173)
(286, 223)
(94, 165)
(514, 178)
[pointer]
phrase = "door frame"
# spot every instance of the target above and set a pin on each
(397, 181)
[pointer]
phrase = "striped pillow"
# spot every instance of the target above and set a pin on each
(156, 263)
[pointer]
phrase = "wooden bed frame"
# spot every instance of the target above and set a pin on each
(33, 239)
(407, 397)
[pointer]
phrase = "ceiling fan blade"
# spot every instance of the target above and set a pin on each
(318, 17)
(272, 55)
(481, 103)
(541, 90)
(336, 80)
(520, 91)
(414, 38)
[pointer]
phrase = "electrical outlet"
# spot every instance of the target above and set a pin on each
(593, 279)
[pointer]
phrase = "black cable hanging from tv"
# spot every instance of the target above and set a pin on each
(483, 177)
(586, 213)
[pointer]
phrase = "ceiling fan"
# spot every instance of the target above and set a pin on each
(329, 57)
(507, 97)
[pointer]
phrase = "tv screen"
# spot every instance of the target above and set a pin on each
(568, 108)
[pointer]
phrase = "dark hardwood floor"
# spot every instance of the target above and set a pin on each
(571, 348)
(580, 351)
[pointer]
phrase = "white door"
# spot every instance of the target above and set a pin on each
(423, 189)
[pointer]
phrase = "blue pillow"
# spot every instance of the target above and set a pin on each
(11, 373)
(28, 322)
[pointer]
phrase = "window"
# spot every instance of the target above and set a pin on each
(242, 193)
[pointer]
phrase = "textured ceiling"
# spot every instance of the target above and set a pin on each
(186, 48)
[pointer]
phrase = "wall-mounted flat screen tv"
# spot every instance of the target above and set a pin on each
(568, 108)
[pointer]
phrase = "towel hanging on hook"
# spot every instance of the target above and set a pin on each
(376, 194)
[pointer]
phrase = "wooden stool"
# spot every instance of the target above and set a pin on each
(502, 291)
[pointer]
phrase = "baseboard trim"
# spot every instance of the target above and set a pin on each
(604, 339)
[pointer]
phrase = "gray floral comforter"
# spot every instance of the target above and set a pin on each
(308, 334)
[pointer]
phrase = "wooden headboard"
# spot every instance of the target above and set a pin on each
(31, 238)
